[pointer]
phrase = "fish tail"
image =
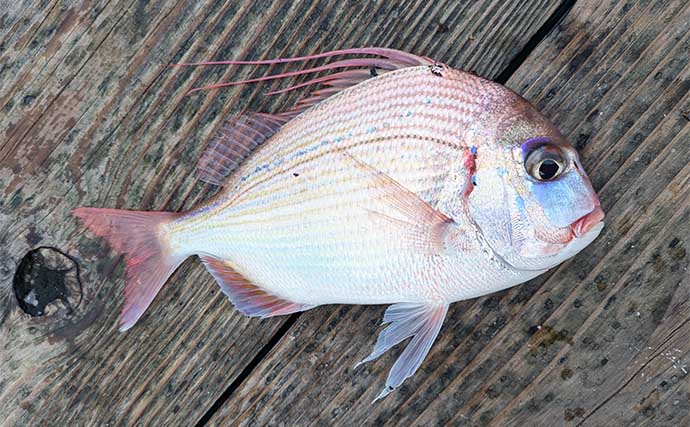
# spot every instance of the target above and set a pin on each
(139, 237)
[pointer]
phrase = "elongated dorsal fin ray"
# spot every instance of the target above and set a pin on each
(368, 63)
(248, 298)
(239, 136)
(422, 323)
(395, 54)
(392, 60)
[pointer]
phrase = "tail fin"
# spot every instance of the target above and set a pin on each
(150, 262)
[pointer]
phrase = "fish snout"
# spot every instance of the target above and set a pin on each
(580, 227)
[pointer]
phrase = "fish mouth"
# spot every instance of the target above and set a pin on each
(580, 227)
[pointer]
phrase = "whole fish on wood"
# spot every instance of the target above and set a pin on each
(399, 181)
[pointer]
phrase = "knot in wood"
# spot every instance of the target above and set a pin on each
(46, 282)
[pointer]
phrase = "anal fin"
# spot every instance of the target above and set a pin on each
(248, 298)
(421, 322)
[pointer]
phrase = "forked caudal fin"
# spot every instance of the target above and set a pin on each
(418, 321)
(136, 235)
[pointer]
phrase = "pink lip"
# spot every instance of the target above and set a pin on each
(584, 224)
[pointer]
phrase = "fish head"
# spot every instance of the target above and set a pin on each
(532, 199)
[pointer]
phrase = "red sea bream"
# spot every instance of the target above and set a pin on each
(399, 181)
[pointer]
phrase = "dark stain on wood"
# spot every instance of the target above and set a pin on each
(44, 278)
(441, 28)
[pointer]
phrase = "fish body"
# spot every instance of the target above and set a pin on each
(295, 216)
(412, 187)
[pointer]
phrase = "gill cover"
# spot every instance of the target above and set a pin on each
(530, 190)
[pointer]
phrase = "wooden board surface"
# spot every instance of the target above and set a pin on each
(602, 340)
(92, 116)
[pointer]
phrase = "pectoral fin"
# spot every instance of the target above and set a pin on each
(409, 219)
(422, 323)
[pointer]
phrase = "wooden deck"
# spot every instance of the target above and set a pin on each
(90, 115)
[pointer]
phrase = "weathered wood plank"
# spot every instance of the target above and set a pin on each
(91, 116)
(603, 339)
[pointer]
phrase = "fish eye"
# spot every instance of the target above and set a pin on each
(545, 163)
(548, 169)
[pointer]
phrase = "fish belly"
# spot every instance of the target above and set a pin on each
(303, 254)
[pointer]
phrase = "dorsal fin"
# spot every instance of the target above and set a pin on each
(334, 83)
(236, 139)
(248, 298)
(392, 60)
(240, 135)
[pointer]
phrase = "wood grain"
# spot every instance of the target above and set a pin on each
(92, 116)
(600, 340)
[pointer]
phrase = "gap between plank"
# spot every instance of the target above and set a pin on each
(553, 20)
(248, 369)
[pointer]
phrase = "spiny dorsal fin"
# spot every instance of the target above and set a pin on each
(248, 298)
(392, 60)
(240, 135)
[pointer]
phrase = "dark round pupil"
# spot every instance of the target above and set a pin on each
(548, 169)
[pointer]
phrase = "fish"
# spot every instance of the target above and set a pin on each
(399, 180)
